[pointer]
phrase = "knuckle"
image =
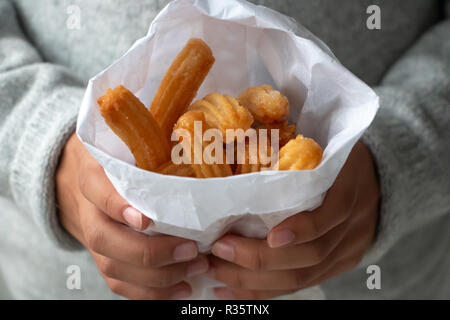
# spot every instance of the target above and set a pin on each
(108, 203)
(256, 260)
(238, 281)
(87, 170)
(94, 239)
(318, 254)
(163, 279)
(108, 267)
(148, 259)
(83, 182)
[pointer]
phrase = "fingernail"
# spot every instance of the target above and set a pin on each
(198, 267)
(182, 294)
(281, 238)
(133, 217)
(185, 251)
(223, 250)
(224, 293)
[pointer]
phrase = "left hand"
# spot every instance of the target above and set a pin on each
(309, 247)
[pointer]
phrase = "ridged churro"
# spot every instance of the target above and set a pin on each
(300, 154)
(131, 121)
(266, 104)
(181, 83)
(223, 112)
(202, 168)
(179, 170)
(252, 158)
(286, 131)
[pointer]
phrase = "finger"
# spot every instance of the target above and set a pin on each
(96, 187)
(337, 269)
(350, 250)
(238, 277)
(238, 294)
(136, 292)
(256, 254)
(307, 226)
(114, 240)
(158, 277)
(70, 222)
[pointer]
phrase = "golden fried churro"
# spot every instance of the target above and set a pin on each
(223, 112)
(131, 121)
(300, 154)
(181, 83)
(266, 104)
(286, 131)
(201, 168)
(252, 158)
(179, 170)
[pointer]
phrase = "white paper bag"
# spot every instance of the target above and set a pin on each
(252, 45)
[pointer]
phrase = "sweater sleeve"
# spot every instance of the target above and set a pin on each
(410, 140)
(38, 109)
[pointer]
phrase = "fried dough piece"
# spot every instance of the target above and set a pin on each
(200, 167)
(300, 154)
(252, 158)
(179, 170)
(181, 83)
(286, 131)
(223, 112)
(266, 104)
(131, 122)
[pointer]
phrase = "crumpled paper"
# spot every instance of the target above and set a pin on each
(252, 45)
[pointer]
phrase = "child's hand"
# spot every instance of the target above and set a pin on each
(133, 264)
(308, 248)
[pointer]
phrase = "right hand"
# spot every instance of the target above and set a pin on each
(133, 264)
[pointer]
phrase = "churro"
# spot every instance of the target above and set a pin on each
(131, 121)
(252, 161)
(203, 168)
(266, 104)
(181, 83)
(300, 154)
(223, 112)
(286, 131)
(179, 170)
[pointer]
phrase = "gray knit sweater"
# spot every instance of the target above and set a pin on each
(46, 59)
